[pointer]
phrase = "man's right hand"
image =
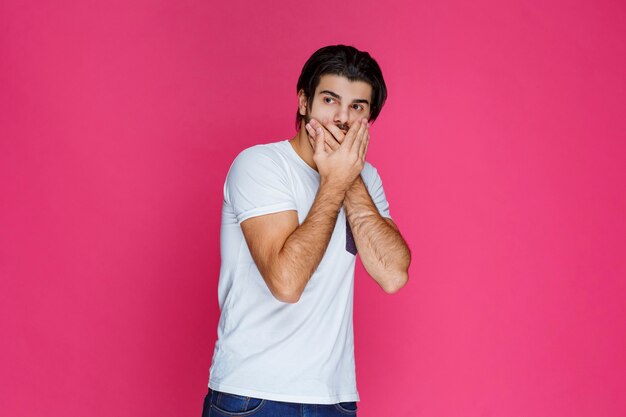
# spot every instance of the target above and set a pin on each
(341, 166)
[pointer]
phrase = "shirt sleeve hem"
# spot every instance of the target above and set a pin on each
(260, 211)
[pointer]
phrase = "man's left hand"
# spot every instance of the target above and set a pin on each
(333, 136)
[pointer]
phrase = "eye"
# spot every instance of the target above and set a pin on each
(358, 107)
(328, 100)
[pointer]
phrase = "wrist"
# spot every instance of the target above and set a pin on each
(355, 186)
(334, 186)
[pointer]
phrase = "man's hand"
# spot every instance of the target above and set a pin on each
(383, 251)
(343, 162)
(333, 135)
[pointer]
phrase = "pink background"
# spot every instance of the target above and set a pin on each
(502, 150)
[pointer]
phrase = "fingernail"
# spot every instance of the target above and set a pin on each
(319, 130)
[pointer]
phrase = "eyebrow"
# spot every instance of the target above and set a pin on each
(337, 96)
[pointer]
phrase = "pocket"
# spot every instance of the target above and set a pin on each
(226, 404)
(347, 407)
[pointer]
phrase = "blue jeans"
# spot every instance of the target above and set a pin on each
(221, 404)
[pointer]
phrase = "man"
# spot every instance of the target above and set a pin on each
(295, 214)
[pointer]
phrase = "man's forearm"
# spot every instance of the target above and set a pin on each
(304, 248)
(383, 251)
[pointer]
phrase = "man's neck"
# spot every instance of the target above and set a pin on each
(302, 146)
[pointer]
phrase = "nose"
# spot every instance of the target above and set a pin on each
(342, 115)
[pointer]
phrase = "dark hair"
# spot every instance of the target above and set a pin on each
(346, 61)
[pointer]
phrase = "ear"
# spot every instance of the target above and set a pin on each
(302, 102)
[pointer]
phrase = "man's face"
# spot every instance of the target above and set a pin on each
(339, 101)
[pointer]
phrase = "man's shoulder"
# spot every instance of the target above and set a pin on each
(369, 170)
(259, 158)
(367, 166)
(263, 150)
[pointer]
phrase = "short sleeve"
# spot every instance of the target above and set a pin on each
(257, 184)
(374, 186)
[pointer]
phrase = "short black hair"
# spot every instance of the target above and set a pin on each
(346, 61)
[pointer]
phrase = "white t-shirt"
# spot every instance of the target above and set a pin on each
(301, 352)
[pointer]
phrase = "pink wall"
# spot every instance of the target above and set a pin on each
(502, 148)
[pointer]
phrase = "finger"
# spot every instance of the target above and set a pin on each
(331, 141)
(328, 136)
(332, 144)
(356, 146)
(319, 141)
(350, 137)
(365, 152)
(335, 131)
(364, 143)
(366, 139)
(310, 130)
(314, 124)
(367, 142)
